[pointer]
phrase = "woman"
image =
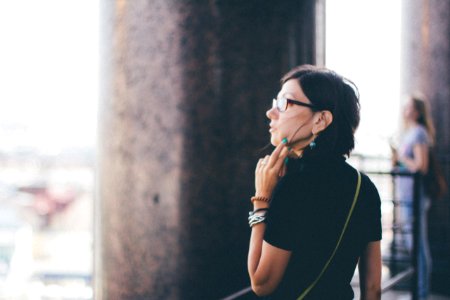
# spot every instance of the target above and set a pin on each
(304, 191)
(413, 156)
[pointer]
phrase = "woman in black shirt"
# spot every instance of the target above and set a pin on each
(305, 191)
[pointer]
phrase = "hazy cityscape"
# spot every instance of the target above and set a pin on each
(46, 222)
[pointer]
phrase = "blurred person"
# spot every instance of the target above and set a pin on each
(414, 154)
(314, 216)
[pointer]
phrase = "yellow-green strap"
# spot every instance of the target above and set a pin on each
(358, 186)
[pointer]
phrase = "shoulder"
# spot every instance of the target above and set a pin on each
(370, 209)
(368, 183)
(420, 134)
(369, 193)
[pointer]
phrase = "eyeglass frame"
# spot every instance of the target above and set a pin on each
(296, 102)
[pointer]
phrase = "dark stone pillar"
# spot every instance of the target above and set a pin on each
(185, 86)
(425, 68)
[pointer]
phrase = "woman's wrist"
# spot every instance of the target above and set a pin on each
(262, 194)
(260, 200)
(260, 204)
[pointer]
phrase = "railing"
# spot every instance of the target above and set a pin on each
(393, 229)
(398, 228)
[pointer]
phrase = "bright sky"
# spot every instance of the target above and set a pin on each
(48, 73)
(363, 44)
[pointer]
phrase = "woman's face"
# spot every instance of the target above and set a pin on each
(410, 112)
(285, 124)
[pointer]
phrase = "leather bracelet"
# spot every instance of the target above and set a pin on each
(260, 209)
(259, 198)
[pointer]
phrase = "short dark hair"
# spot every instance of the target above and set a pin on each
(330, 91)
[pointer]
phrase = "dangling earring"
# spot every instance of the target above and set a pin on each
(313, 144)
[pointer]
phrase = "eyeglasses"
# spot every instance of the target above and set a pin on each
(282, 103)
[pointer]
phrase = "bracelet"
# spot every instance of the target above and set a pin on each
(256, 219)
(260, 198)
(254, 213)
(260, 209)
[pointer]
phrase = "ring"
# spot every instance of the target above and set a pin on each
(263, 163)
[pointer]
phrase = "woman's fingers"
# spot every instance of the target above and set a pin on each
(262, 162)
(265, 163)
(268, 170)
(275, 160)
(279, 163)
(259, 165)
(276, 153)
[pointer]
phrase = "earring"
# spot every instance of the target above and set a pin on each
(312, 145)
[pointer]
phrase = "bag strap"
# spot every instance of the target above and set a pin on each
(355, 198)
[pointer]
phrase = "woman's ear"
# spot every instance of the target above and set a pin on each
(322, 121)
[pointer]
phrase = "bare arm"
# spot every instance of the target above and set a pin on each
(370, 272)
(266, 263)
(420, 161)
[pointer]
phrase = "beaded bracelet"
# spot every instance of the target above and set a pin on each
(259, 198)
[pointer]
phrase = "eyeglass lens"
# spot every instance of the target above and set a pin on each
(280, 103)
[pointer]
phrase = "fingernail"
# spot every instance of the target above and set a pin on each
(284, 141)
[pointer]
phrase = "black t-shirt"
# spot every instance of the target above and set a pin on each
(308, 210)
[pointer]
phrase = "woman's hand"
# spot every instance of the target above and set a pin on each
(394, 157)
(268, 170)
(394, 152)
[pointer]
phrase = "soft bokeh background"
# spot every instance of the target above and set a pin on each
(48, 98)
(363, 43)
(48, 118)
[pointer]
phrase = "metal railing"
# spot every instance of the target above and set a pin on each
(393, 229)
(397, 228)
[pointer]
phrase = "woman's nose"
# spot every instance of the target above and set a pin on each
(271, 113)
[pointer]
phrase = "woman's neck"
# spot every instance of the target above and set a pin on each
(297, 150)
(297, 153)
(299, 147)
(411, 123)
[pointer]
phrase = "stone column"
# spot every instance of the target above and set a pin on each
(425, 69)
(184, 90)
